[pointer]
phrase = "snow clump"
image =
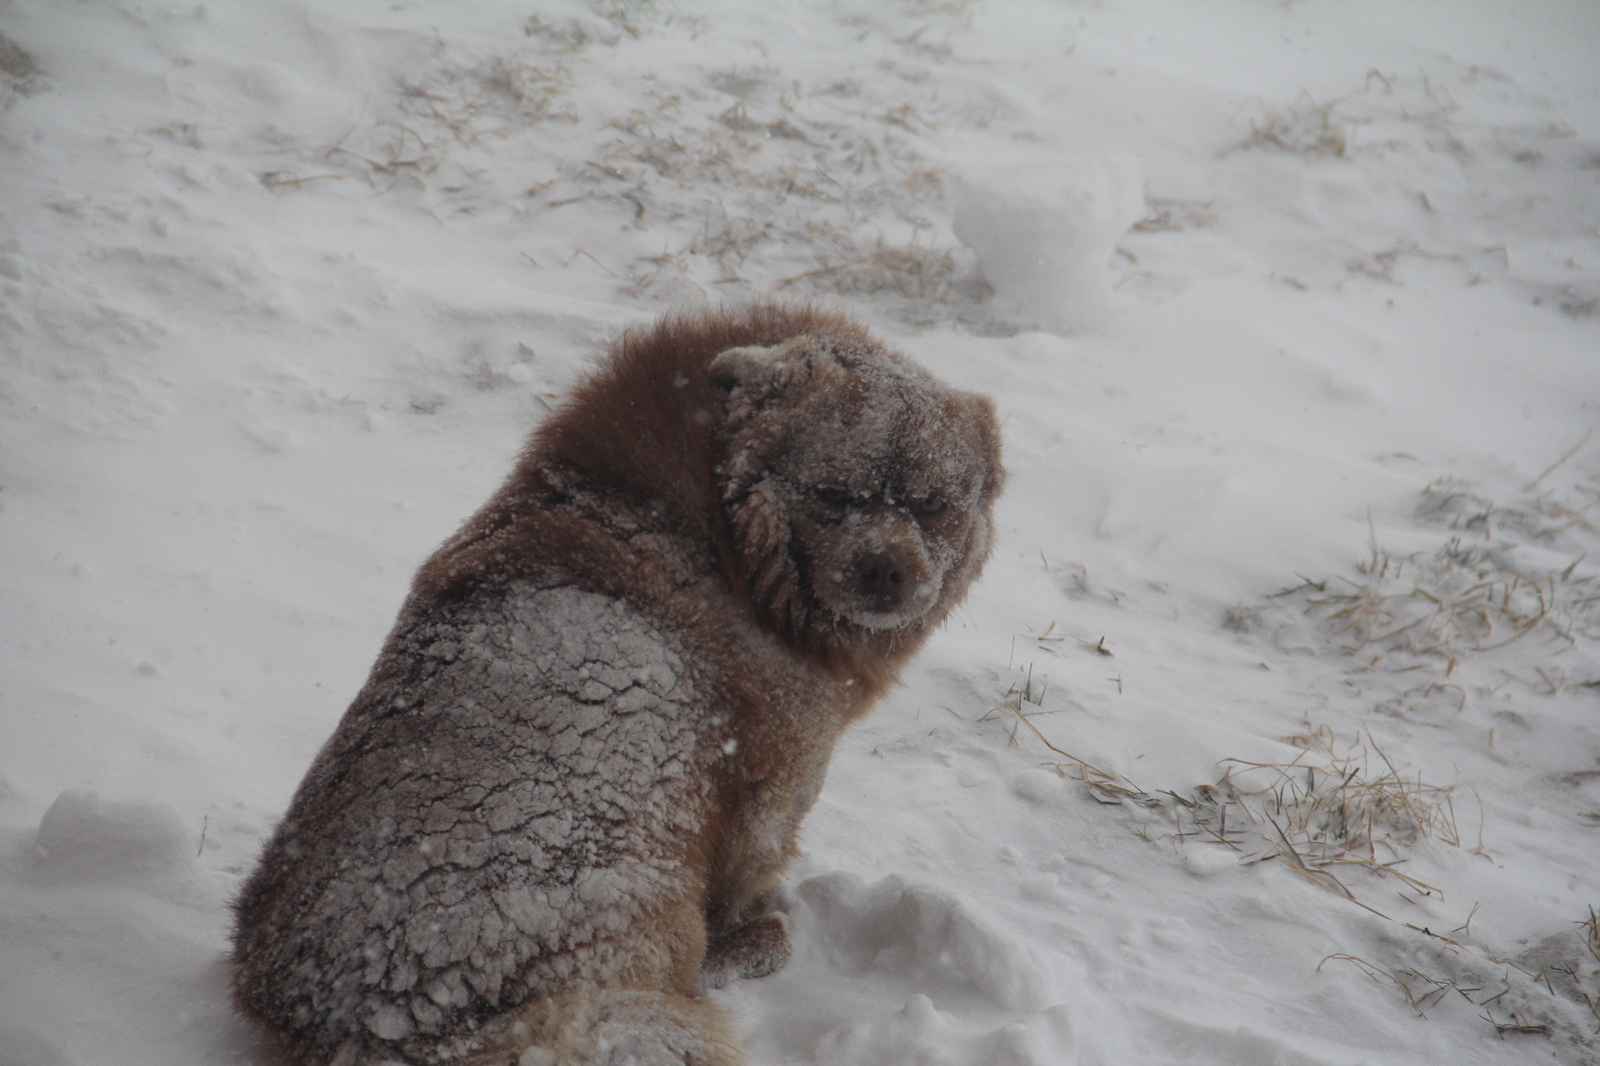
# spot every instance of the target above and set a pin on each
(1045, 232)
(84, 838)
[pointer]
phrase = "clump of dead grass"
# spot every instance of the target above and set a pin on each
(570, 35)
(637, 18)
(1381, 265)
(1545, 517)
(1323, 813)
(1462, 598)
(909, 270)
(1173, 216)
(1326, 813)
(493, 99)
(1422, 991)
(1439, 617)
(1532, 995)
(1304, 127)
(405, 157)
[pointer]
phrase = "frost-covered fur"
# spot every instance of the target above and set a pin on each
(555, 813)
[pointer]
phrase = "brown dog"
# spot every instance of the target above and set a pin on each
(555, 812)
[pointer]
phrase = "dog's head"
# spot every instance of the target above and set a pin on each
(858, 488)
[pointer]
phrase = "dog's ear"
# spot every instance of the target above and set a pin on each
(754, 378)
(979, 413)
(750, 369)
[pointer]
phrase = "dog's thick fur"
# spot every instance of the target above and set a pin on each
(555, 813)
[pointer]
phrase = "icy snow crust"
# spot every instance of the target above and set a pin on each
(283, 286)
(438, 892)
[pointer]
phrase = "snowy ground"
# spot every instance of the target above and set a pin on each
(1293, 311)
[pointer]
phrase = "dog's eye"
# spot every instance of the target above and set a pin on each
(834, 495)
(932, 505)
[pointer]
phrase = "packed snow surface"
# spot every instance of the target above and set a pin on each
(1271, 734)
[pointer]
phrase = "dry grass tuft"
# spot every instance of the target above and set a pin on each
(1172, 216)
(1420, 990)
(909, 270)
(1381, 265)
(568, 36)
(1423, 991)
(1304, 127)
(1543, 518)
(1590, 928)
(1324, 814)
(1463, 598)
(1514, 1000)
(1437, 612)
(494, 99)
(1504, 599)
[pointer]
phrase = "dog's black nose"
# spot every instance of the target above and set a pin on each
(882, 580)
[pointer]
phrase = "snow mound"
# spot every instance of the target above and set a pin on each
(926, 935)
(1044, 233)
(1039, 786)
(895, 973)
(84, 838)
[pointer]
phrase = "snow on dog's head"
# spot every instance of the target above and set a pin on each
(858, 487)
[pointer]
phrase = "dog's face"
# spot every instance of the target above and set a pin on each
(858, 487)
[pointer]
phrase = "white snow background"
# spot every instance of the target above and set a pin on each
(1271, 734)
